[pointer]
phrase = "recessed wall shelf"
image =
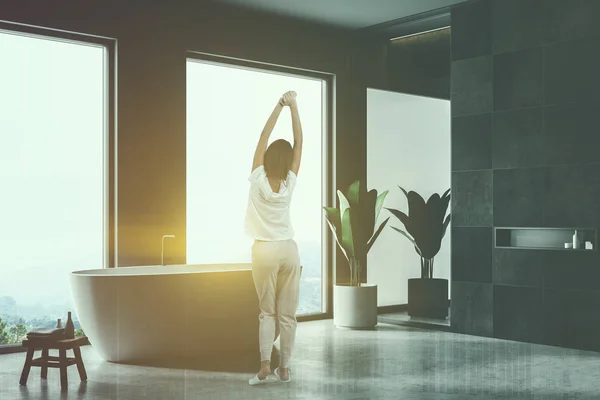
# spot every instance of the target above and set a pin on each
(543, 238)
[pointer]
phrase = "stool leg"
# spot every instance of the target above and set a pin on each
(44, 374)
(80, 366)
(27, 366)
(62, 358)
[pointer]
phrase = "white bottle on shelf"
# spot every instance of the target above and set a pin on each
(576, 244)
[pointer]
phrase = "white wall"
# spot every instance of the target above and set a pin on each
(408, 144)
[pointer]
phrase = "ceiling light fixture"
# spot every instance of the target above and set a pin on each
(419, 33)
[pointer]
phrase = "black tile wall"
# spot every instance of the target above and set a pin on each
(571, 71)
(525, 28)
(582, 330)
(571, 134)
(563, 196)
(517, 139)
(471, 30)
(518, 267)
(519, 197)
(572, 270)
(472, 308)
(518, 79)
(568, 20)
(471, 86)
(538, 81)
(571, 319)
(472, 198)
(554, 317)
(472, 142)
(573, 196)
(472, 254)
(517, 313)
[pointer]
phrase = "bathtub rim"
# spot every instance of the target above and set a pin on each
(135, 270)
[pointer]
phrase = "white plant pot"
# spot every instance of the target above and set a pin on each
(355, 307)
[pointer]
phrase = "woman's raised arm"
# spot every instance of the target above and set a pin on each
(261, 147)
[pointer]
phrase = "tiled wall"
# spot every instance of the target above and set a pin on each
(525, 152)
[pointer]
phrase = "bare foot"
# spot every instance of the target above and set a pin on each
(265, 370)
(263, 373)
(284, 373)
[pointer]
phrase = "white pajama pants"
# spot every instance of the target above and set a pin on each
(276, 272)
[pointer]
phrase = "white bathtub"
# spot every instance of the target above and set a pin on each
(154, 313)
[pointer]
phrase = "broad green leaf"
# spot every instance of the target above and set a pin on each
(379, 204)
(335, 235)
(347, 237)
(367, 214)
(333, 215)
(408, 237)
(446, 223)
(401, 216)
(446, 193)
(404, 191)
(358, 231)
(416, 204)
(376, 235)
(344, 204)
(354, 193)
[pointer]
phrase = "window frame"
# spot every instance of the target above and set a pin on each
(327, 165)
(109, 45)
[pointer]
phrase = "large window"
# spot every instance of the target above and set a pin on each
(53, 174)
(227, 107)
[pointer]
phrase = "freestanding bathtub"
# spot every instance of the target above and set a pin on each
(154, 313)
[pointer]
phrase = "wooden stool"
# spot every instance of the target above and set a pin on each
(46, 361)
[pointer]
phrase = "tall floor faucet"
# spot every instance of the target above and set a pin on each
(162, 251)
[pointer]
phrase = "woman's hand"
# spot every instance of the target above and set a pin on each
(288, 99)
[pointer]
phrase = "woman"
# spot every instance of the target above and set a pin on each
(275, 260)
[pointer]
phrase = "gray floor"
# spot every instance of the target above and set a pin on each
(392, 362)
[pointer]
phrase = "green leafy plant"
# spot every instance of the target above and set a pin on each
(3, 334)
(353, 225)
(425, 225)
(18, 332)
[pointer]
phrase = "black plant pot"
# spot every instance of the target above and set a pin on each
(428, 298)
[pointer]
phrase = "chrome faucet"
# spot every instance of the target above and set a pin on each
(162, 251)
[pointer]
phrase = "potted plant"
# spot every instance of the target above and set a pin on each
(353, 227)
(425, 228)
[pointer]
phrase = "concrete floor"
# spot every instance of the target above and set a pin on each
(392, 362)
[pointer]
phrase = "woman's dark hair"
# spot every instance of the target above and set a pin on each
(278, 159)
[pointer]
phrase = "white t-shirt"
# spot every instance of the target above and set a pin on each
(268, 213)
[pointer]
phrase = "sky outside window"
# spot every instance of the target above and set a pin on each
(52, 130)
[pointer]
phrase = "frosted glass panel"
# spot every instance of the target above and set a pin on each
(408, 144)
(227, 108)
(52, 164)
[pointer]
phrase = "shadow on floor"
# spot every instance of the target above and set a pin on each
(403, 319)
(246, 362)
(48, 391)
